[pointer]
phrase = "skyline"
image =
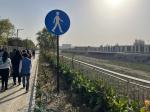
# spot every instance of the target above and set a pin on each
(108, 45)
(93, 23)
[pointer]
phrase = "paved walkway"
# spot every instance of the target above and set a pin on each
(15, 99)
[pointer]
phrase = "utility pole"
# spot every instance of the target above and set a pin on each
(26, 43)
(18, 34)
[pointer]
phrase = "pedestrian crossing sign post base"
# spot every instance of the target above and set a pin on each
(57, 22)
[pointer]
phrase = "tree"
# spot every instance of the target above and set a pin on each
(6, 30)
(15, 42)
(2, 40)
(29, 44)
(46, 40)
(26, 43)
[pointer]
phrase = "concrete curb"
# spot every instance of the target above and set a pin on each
(31, 105)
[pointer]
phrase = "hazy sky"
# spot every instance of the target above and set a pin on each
(93, 22)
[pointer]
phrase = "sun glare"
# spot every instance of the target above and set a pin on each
(115, 3)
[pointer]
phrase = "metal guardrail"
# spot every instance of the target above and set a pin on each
(124, 85)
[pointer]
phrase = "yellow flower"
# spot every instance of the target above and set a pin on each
(147, 103)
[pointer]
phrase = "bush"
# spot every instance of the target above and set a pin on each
(94, 94)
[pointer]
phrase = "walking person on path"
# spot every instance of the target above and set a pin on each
(1, 51)
(29, 54)
(25, 69)
(33, 53)
(11, 54)
(1, 54)
(16, 60)
(5, 67)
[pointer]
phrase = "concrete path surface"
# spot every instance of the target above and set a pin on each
(15, 99)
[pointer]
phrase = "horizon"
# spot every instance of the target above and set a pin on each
(93, 23)
(146, 43)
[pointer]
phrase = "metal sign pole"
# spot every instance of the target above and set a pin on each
(57, 22)
(58, 64)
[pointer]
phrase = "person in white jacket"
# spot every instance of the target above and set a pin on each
(5, 67)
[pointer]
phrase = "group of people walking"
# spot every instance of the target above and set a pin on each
(18, 65)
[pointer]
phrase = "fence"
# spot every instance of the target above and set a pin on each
(124, 85)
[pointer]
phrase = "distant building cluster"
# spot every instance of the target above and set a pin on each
(66, 46)
(139, 46)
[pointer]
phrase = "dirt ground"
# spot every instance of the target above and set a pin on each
(47, 98)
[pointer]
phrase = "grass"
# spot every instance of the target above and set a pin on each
(136, 66)
(103, 62)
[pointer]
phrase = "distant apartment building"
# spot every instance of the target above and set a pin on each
(138, 46)
(66, 46)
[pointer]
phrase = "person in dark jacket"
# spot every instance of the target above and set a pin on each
(12, 54)
(29, 54)
(33, 53)
(25, 69)
(1, 61)
(16, 60)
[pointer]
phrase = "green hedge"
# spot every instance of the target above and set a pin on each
(94, 94)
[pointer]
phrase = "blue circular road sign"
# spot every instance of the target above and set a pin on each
(57, 22)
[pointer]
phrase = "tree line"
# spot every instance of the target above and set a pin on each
(8, 36)
(46, 41)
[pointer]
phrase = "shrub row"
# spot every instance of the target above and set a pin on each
(94, 94)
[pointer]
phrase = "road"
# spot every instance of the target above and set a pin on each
(15, 99)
